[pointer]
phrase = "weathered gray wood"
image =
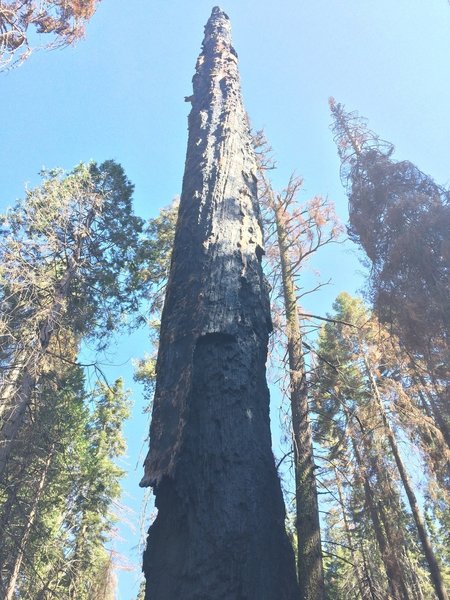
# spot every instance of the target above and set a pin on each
(219, 533)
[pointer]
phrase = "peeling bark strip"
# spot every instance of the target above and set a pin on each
(219, 534)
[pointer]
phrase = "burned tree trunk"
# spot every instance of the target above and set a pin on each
(219, 533)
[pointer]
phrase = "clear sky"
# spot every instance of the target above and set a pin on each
(119, 94)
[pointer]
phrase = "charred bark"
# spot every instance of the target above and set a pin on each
(219, 533)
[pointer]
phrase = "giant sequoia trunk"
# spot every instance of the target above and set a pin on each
(219, 533)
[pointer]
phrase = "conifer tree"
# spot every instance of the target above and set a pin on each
(345, 430)
(401, 218)
(68, 272)
(56, 528)
(295, 232)
(74, 267)
(23, 22)
(361, 385)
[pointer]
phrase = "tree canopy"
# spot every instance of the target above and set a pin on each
(24, 23)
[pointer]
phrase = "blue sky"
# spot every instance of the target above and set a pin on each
(119, 94)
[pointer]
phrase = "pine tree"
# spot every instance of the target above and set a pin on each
(96, 487)
(27, 491)
(361, 384)
(74, 268)
(68, 485)
(68, 272)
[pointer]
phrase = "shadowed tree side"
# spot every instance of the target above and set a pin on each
(219, 533)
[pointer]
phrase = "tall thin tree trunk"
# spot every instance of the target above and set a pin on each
(372, 590)
(77, 560)
(14, 416)
(10, 489)
(25, 534)
(310, 566)
(10, 377)
(219, 533)
(396, 543)
(391, 565)
(350, 539)
(433, 566)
